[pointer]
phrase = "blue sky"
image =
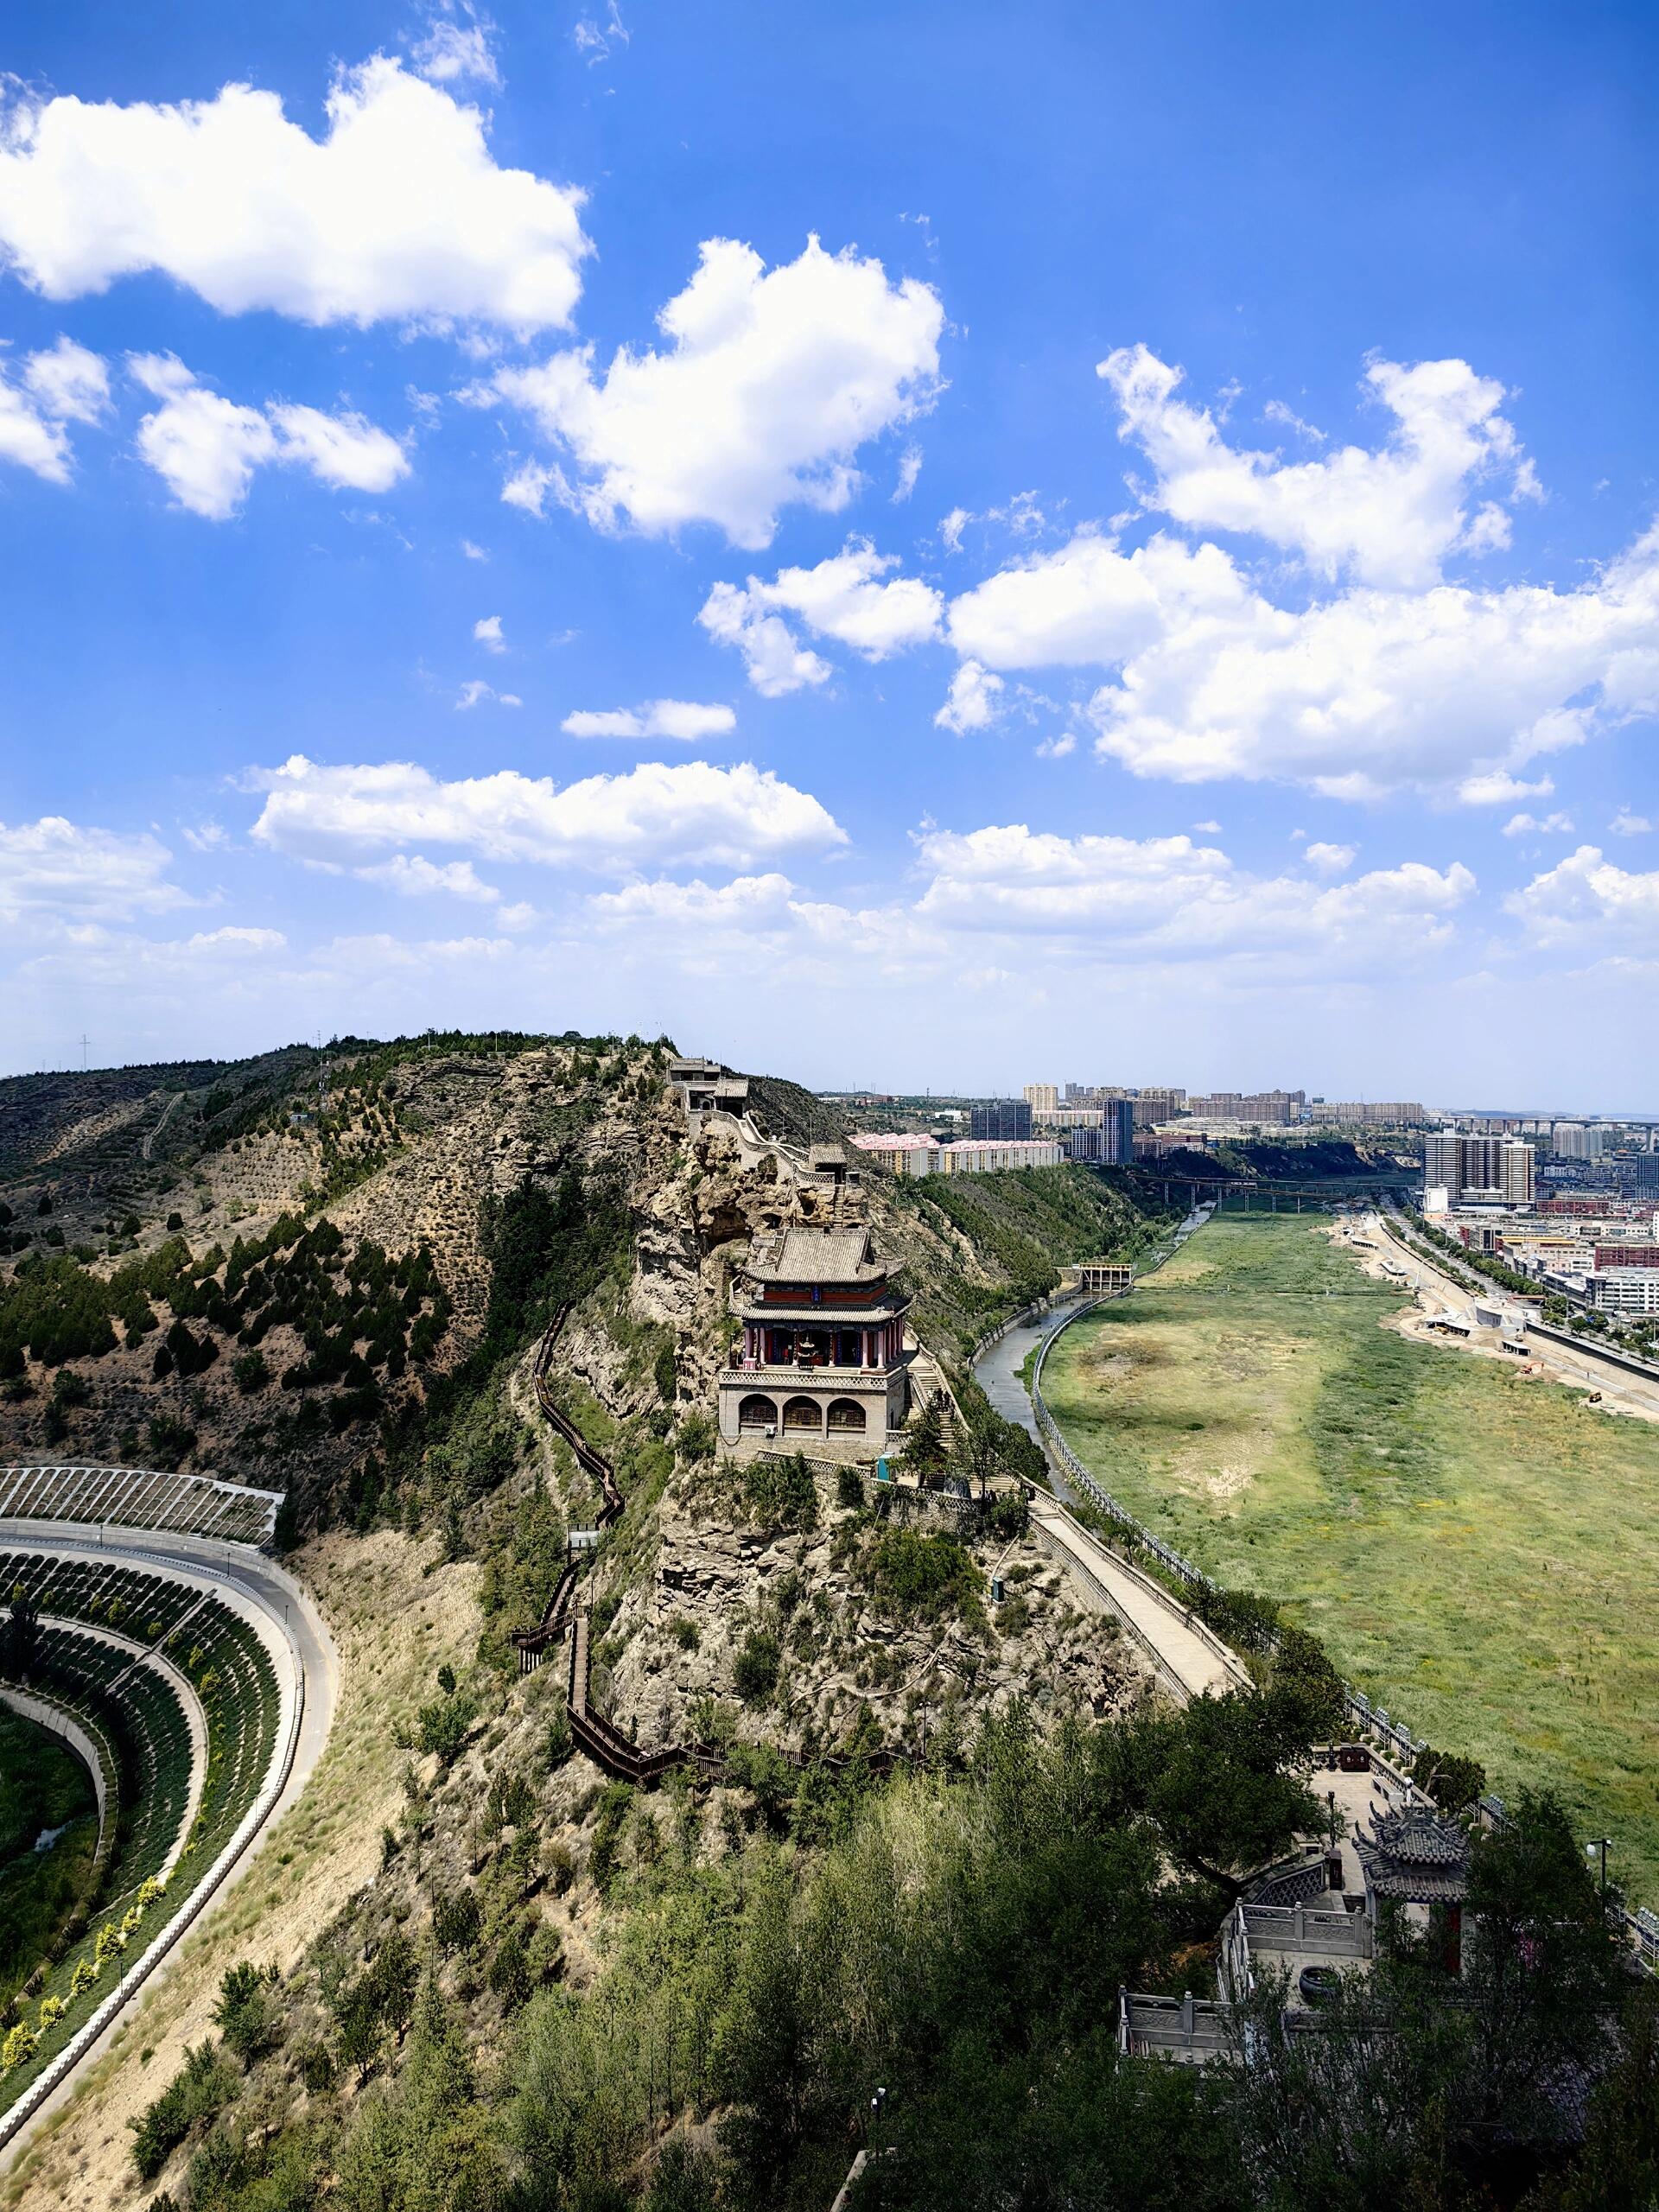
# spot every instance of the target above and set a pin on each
(1161, 590)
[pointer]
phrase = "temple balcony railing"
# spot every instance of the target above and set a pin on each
(759, 1375)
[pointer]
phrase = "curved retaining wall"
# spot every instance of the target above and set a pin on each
(90, 1746)
(17, 2116)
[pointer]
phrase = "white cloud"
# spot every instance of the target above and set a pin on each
(486, 632)
(1331, 860)
(60, 384)
(1167, 897)
(456, 49)
(771, 381)
(1626, 824)
(1524, 825)
(974, 701)
(909, 468)
(656, 815)
(343, 450)
(205, 447)
(209, 837)
(1499, 788)
(849, 597)
(593, 41)
(1587, 899)
(1388, 517)
(776, 662)
(472, 552)
(1368, 692)
(85, 875)
(1091, 604)
(683, 718)
(999, 902)
(474, 693)
(400, 211)
(951, 527)
(70, 383)
(412, 876)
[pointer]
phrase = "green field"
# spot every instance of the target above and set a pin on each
(1479, 1551)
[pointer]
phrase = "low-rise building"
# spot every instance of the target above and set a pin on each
(1623, 1290)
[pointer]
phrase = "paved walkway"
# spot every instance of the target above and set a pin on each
(1187, 1661)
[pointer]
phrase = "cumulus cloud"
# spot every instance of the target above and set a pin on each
(975, 699)
(1331, 860)
(1389, 516)
(1168, 896)
(777, 663)
(995, 901)
(1525, 825)
(60, 384)
(1588, 899)
(683, 718)
(206, 449)
(398, 211)
(1391, 679)
(486, 632)
(656, 815)
(1088, 604)
(1626, 824)
(1367, 692)
(849, 597)
(769, 383)
(56, 866)
(476, 691)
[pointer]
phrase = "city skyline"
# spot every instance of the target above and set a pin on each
(650, 570)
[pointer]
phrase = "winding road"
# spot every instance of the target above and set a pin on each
(1187, 1658)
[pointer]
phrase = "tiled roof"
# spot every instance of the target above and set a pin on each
(808, 1254)
(1416, 1857)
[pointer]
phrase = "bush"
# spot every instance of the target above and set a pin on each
(170, 1440)
(849, 1488)
(781, 1493)
(200, 2090)
(754, 1673)
(921, 1575)
(242, 2014)
(443, 1728)
(456, 1922)
(249, 1373)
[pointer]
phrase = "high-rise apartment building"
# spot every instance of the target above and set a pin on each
(1567, 1138)
(1000, 1121)
(1042, 1098)
(1498, 1170)
(1516, 1172)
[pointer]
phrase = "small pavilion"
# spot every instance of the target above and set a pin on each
(1414, 1856)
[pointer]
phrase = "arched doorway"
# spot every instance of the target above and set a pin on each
(801, 1417)
(845, 1417)
(757, 1416)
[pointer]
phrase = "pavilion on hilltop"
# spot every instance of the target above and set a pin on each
(822, 1366)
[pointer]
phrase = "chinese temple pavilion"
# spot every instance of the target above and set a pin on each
(823, 1365)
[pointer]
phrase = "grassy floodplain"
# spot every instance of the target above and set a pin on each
(1480, 1552)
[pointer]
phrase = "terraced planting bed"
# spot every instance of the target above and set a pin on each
(95, 1669)
(1478, 1549)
